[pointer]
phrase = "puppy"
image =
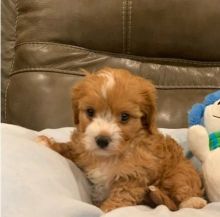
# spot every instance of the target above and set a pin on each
(117, 145)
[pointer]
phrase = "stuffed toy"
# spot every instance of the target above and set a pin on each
(204, 141)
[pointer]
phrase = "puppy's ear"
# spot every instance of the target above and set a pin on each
(78, 91)
(148, 107)
(76, 95)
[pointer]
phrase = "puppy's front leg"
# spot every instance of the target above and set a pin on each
(124, 193)
(62, 148)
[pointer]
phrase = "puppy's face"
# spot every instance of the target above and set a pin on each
(111, 108)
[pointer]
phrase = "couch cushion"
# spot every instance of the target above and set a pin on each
(44, 73)
(55, 39)
(39, 182)
(144, 28)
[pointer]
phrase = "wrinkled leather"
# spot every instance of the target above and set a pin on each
(169, 29)
(173, 43)
(7, 46)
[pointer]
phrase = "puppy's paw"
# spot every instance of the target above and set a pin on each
(193, 202)
(44, 140)
(160, 198)
(107, 207)
(153, 188)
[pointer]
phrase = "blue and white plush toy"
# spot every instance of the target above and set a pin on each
(204, 141)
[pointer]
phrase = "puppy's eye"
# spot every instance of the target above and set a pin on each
(90, 112)
(124, 117)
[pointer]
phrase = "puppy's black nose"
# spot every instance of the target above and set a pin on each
(102, 141)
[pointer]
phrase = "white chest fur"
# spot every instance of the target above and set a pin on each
(100, 178)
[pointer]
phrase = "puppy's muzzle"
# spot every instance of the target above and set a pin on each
(102, 141)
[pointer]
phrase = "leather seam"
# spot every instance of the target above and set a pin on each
(68, 46)
(15, 35)
(6, 97)
(129, 25)
(123, 26)
(138, 58)
(126, 21)
(13, 60)
(41, 69)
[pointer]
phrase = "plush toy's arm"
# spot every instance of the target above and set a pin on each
(198, 141)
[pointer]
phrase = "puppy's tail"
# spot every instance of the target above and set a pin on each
(160, 198)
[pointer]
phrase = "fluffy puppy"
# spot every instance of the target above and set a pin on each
(117, 145)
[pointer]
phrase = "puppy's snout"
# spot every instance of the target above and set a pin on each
(102, 141)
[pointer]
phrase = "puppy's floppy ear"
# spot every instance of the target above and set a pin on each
(78, 91)
(148, 92)
(76, 95)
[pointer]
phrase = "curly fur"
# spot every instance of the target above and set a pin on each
(140, 156)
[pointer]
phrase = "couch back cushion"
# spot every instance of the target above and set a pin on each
(47, 43)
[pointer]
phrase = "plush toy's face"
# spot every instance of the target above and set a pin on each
(212, 117)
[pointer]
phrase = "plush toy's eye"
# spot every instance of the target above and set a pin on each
(90, 112)
(124, 117)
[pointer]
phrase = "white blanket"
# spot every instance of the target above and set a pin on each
(38, 182)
